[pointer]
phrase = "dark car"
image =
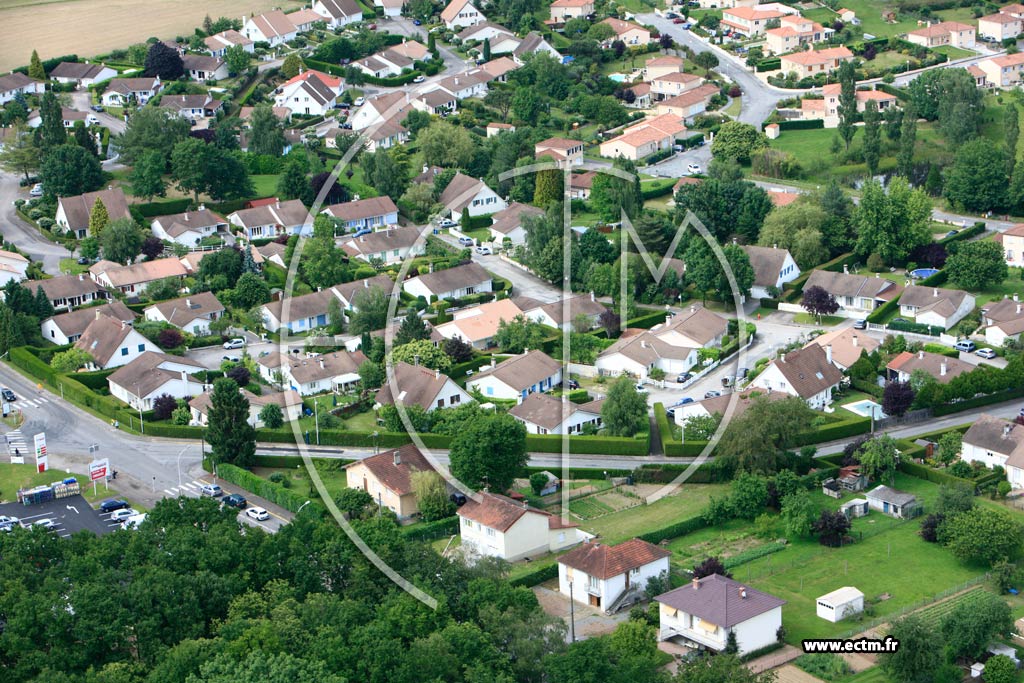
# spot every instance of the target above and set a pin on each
(712, 394)
(671, 15)
(679, 20)
(860, 324)
(572, 384)
(417, 22)
(235, 500)
(742, 373)
(98, 107)
(684, 377)
(458, 498)
(900, 320)
(8, 395)
(112, 504)
(684, 400)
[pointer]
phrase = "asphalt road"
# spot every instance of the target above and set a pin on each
(23, 235)
(81, 101)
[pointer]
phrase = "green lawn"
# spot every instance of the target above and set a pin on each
(734, 107)
(873, 675)
(70, 266)
(953, 52)
(624, 525)
(264, 185)
(1007, 288)
(14, 477)
(870, 14)
(826, 320)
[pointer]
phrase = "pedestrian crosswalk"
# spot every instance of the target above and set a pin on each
(30, 402)
(188, 488)
(16, 444)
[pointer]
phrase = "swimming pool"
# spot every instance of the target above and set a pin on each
(618, 78)
(922, 273)
(865, 408)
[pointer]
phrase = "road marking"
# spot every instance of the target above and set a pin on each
(43, 400)
(170, 492)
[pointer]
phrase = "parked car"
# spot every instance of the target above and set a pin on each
(112, 504)
(899, 320)
(236, 500)
(98, 107)
(8, 523)
(36, 191)
(640, 388)
(212, 490)
(361, 232)
(419, 79)
(236, 343)
(952, 232)
(458, 498)
(693, 169)
(860, 324)
(8, 395)
(92, 120)
(678, 20)
(44, 523)
(684, 377)
(671, 15)
(728, 381)
(466, 241)
(83, 261)
(671, 413)
(231, 359)
(742, 373)
(122, 514)
(965, 345)
(359, 101)
(683, 401)
(484, 250)
(259, 514)
(446, 223)
(712, 394)
(986, 353)
(417, 22)
(572, 384)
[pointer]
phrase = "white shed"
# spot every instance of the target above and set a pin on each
(840, 603)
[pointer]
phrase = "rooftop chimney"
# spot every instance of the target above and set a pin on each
(846, 269)
(743, 593)
(695, 583)
(321, 363)
(1007, 428)
(493, 361)
(782, 358)
(693, 308)
(81, 278)
(277, 203)
(188, 303)
(437, 374)
(828, 353)
(592, 296)
(942, 369)
(97, 314)
(398, 458)
(853, 340)
(366, 283)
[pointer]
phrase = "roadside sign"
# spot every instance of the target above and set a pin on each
(40, 443)
(99, 469)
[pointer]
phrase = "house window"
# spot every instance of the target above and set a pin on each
(592, 583)
(490, 531)
(440, 403)
(142, 347)
(490, 390)
(457, 398)
(124, 350)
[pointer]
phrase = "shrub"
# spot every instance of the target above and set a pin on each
(875, 263)
(163, 406)
(169, 338)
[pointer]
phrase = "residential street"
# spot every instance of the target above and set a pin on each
(23, 235)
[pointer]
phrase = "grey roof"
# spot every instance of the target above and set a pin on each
(844, 284)
(581, 304)
(996, 435)
(102, 337)
(64, 286)
(201, 62)
(382, 240)
(15, 81)
(186, 309)
(945, 302)
(300, 307)
(416, 384)
(127, 86)
(891, 496)
(325, 366)
(362, 208)
(179, 223)
(697, 323)
(522, 372)
(718, 600)
(460, 191)
(507, 220)
(179, 102)
(76, 70)
(808, 370)
(286, 213)
(450, 279)
(350, 290)
(144, 375)
(73, 323)
(1003, 310)
(767, 263)
(547, 411)
(339, 9)
(78, 208)
(645, 348)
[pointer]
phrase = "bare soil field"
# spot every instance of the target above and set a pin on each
(92, 27)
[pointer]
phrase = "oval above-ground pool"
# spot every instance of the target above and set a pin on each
(922, 273)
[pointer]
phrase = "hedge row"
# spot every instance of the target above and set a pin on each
(917, 328)
(867, 387)
(932, 475)
(884, 311)
(294, 461)
(977, 402)
(275, 493)
(586, 445)
(647, 320)
(712, 471)
(801, 124)
(576, 472)
(768, 64)
(898, 93)
(664, 428)
(538, 575)
(965, 234)
(428, 531)
(658, 190)
(835, 431)
(681, 528)
(753, 554)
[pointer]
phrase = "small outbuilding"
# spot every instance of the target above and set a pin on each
(840, 603)
(894, 503)
(858, 507)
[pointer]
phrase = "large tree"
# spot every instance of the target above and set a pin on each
(914, 661)
(624, 411)
(370, 310)
(847, 109)
(147, 175)
(753, 440)
(908, 139)
(818, 302)
(266, 134)
(51, 132)
(872, 148)
(1011, 136)
(384, 174)
(69, 170)
(978, 265)
(983, 535)
(518, 335)
(99, 218)
(202, 168)
(894, 223)
(164, 61)
(705, 271)
(443, 144)
(152, 129)
(878, 458)
(971, 625)
(489, 451)
(977, 180)
(19, 154)
(897, 398)
(237, 59)
(231, 437)
(322, 262)
(121, 241)
(611, 195)
(736, 140)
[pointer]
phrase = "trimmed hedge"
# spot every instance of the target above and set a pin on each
(965, 234)
(801, 124)
(584, 445)
(768, 64)
(428, 531)
(917, 328)
(681, 528)
(835, 431)
(293, 461)
(884, 311)
(892, 90)
(867, 387)
(647, 320)
(658, 190)
(932, 475)
(163, 208)
(258, 486)
(664, 428)
(977, 402)
(539, 575)
(576, 472)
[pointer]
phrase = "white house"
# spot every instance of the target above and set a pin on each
(857, 295)
(891, 502)
(67, 291)
(310, 93)
(191, 107)
(13, 266)
(508, 223)
(205, 67)
(68, 327)
(544, 414)
(192, 313)
(469, 195)
(518, 377)
(338, 12)
(73, 212)
(218, 43)
(773, 267)
(847, 345)
(1002, 320)
(15, 83)
(935, 306)
(154, 374)
(389, 246)
(461, 13)
(704, 612)
(123, 91)
(840, 603)
(336, 371)
(188, 228)
(82, 73)
(271, 27)
(717, 405)
(288, 401)
(365, 214)
(607, 576)
(289, 217)
(450, 283)
(808, 373)
(564, 314)
(477, 325)
(298, 314)
(417, 385)
(112, 343)
(347, 292)
(493, 525)
(996, 442)
(134, 279)
(465, 84)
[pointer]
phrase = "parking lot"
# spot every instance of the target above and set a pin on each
(69, 515)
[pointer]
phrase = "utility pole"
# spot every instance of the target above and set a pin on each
(572, 616)
(316, 419)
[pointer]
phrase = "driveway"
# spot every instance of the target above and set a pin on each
(80, 100)
(23, 235)
(523, 283)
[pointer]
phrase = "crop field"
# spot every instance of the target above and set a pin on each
(92, 27)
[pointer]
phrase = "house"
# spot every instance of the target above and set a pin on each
(1002, 320)
(645, 138)
(811, 62)
(13, 266)
(390, 62)
(218, 43)
(655, 67)
(607, 576)
(121, 92)
(437, 101)
(133, 279)
(942, 368)
(808, 373)
(478, 325)
(461, 13)
(690, 103)
(840, 603)
(580, 185)
(638, 353)
(566, 153)
(703, 613)
(387, 134)
(389, 246)
(773, 267)
(311, 93)
(347, 292)
(498, 69)
(465, 194)
(827, 108)
(420, 386)
(205, 67)
(488, 30)
(673, 83)
(365, 214)
(935, 306)
(857, 295)
(154, 374)
(794, 32)
(337, 371)
(495, 128)
(465, 84)
(532, 44)
(563, 10)
(450, 283)
(944, 33)
(392, 8)
(338, 13)
(749, 21)
(67, 328)
(508, 223)
(112, 343)
(847, 345)
(894, 503)
(695, 326)
(517, 377)
(999, 26)
(1003, 71)
(1013, 245)
(298, 313)
(563, 314)
(380, 108)
(192, 107)
(847, 16)
(65, 291)
(68, 116)
(192, 313)
(82, 73)
(995, 442)
(73, 212)
(304, 19)
(188, 228)
(289, 217)
(717, 405)
(388, 476)
(16, 83)
(626, 31)
(273, 28)
(544, 414)
(289, 401)
(272, 252)
(492, 525)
